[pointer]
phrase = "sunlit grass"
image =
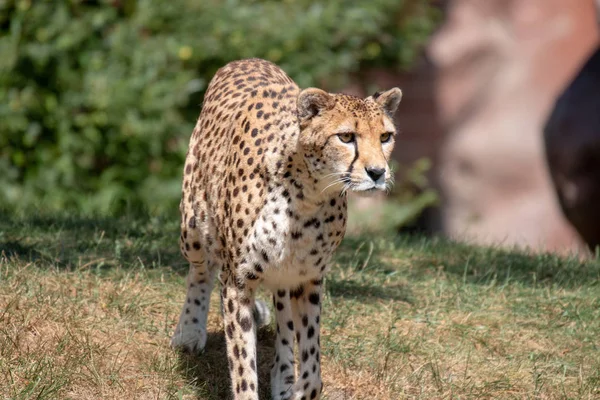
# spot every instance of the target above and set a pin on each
(87, 306)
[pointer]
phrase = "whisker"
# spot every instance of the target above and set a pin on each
(343, 179)
(332, 183)
(335, 173)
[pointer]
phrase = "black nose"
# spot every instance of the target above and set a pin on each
(375, 173)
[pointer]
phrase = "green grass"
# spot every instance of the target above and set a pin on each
(87, 306)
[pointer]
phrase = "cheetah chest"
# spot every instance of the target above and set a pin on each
(291, 244)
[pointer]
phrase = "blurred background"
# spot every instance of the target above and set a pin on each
(98, 100)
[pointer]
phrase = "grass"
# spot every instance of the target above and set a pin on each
(87, 306)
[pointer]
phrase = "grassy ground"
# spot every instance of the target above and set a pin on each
(87, 306)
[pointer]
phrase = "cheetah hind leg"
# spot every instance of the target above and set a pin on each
(190, 334)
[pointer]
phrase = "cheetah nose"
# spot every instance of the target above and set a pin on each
(375, 173)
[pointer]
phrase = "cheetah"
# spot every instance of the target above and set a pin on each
(265, 183)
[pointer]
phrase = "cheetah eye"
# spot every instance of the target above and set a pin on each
(346, 137)
(385, 137)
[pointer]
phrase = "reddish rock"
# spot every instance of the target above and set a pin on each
(500, 66)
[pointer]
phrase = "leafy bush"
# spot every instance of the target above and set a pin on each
(98, 98)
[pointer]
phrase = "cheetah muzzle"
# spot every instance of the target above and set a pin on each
(264, 202)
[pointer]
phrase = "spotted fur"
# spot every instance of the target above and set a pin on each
(264, 202)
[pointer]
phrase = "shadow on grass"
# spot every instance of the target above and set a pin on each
(71, 241)
(209, 372)
(419, 258)
(368, 293)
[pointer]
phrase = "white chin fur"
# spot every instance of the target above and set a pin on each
(368, 189)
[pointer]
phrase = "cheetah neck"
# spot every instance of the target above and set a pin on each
(312, 193)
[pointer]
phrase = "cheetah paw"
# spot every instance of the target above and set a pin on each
(189, 341)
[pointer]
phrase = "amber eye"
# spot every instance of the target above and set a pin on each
(385, 137)
(346, 137)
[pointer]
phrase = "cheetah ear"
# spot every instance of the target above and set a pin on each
(389, 100)
(312, 101)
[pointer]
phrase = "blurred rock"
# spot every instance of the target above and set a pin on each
(500, 65)
(572, 138)
(476, 105)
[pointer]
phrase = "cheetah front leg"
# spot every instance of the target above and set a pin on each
(282, 372)
(190, 334)
(240, 335)
(306, 306)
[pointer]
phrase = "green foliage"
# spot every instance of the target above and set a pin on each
(98, 98)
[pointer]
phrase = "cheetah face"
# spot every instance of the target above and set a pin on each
(347, 141)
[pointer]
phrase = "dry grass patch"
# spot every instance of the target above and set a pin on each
(77, 335)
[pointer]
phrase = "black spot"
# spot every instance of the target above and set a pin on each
(264, 255)
(311, 332)
(290, 325)
(314, 298)
(295, 293)
(312, 222)
(246, 324)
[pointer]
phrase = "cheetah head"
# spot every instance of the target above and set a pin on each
(347, 141)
